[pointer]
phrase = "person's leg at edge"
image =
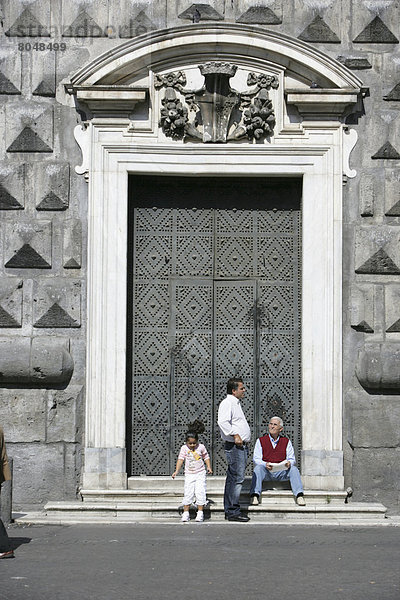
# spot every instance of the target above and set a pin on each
(5, 546)
(237, 460)
(259, 474)
(295, 481)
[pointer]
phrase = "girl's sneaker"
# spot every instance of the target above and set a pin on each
(200, 516)
(185, 517)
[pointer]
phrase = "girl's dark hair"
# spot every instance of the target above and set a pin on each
(194, 429)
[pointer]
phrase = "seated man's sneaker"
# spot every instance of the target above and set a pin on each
(254, 499)
(185, 517)
(300, 501)
(199, 516)
(8, 554)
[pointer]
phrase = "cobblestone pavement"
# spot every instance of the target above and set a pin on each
(201, 561)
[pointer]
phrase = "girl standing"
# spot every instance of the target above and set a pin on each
(194, 455)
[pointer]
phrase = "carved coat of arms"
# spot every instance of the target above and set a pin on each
(216, 113)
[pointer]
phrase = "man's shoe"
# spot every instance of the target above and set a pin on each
(254, 499)
(8, 554)
(200, 516)
(185, 517)
(239, 518)
(300, 501)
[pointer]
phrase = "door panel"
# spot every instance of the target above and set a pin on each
(191, 358)
(215, 292)
(235, 348)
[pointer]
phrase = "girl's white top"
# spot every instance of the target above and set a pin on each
(194, 459)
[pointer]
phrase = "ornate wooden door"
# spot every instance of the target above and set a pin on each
(215, 292)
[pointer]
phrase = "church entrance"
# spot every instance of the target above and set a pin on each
(214, 290)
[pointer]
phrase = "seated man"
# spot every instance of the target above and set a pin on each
(273, 448)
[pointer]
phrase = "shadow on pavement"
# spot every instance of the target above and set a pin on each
(18, 541)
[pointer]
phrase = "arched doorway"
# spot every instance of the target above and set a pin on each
(125, 91)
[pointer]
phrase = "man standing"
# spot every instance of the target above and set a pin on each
(270, 450)
(5, 475)
(235, 432)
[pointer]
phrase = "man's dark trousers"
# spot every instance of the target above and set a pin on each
(236, 457)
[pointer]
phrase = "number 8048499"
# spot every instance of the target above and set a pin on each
(42, 46)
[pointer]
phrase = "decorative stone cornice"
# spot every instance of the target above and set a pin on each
(108, 99)
(316, 102)
(168, 44)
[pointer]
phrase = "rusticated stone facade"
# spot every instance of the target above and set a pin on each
(44, 224)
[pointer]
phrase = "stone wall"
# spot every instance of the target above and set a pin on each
(43, 223)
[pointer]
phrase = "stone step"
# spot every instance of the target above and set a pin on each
(165, 489)
(156, 511)
(214, 482)
(215, 496)
(156, 499)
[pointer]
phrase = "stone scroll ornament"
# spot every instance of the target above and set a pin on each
(221, 114)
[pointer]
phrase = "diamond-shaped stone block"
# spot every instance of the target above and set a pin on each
(57, 304)
(29, 141)
(44, 74)
(392, 193)
(392, 309)
(12, 187)
(29, 127)
(377, 251)
(367, 196)
(319, 31)
(6, 87)
(394, 211)
(27, 25)
(259, 15)
(28, 245)
(362, 306)
(387, 151)
(394, 94)
(84, 26)
(10, 71)
(201, 12)
(137, 26)
(355, 63)
(376, 32)
(51, 186)
(379, 263)
(72, 247)
(11, 303)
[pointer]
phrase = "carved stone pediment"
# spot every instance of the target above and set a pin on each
(216, 113)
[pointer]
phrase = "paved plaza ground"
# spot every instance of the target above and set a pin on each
(201, 561)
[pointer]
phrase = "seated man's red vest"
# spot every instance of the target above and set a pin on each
(271, 454)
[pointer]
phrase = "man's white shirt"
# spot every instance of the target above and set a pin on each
(231, 420)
